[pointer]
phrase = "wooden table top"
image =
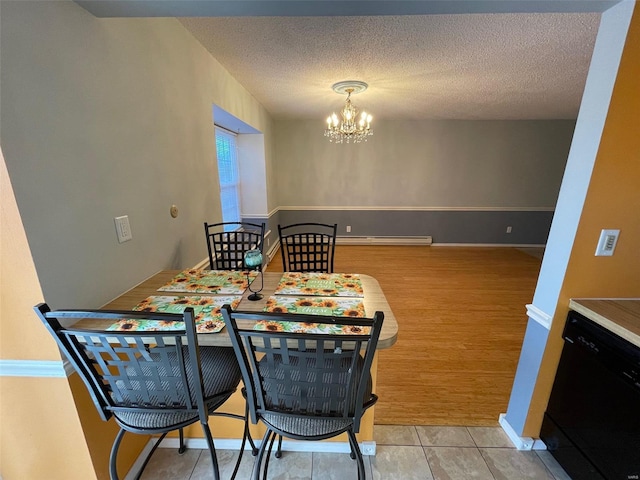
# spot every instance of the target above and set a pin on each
(374, 300)
(618, 315)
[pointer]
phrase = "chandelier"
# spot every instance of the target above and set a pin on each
(350, 128)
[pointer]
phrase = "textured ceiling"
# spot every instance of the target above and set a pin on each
(462, 66)
(440, 59)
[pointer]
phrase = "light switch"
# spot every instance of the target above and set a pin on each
(607, 243)
(123, 229)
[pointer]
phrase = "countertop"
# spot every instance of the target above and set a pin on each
(619, 315)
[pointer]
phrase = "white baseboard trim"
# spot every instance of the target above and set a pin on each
(383, 240)
(539, 445)
(521, 443)
(367, 448)
(413, 209)
(509, 245)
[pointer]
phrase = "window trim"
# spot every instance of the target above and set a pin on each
(229, 187)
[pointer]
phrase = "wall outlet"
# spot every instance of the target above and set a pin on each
(348, 228)
(123, 229)
(607, 243)
(509, 229)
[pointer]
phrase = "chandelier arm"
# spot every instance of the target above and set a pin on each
(349, 129)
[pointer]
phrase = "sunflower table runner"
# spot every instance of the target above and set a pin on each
(320, 284)
(336, 307)
(207, 312)
(221, 282)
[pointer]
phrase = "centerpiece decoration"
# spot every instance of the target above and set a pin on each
(253, 261)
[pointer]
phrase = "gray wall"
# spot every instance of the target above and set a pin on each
(445, 227)
(459, 181)
(109, 117)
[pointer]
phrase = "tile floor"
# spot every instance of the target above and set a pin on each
(403, 452)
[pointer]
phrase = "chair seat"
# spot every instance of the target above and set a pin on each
(306, 426)
(144, 420)
(220, 373)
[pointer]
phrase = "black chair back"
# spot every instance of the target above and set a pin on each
(298, 375)
(308, 247)
(227, 243)
(128, 372)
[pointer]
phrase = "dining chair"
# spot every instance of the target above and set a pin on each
(150, 382)
(227, 242)
(305, 386)
(308, 247)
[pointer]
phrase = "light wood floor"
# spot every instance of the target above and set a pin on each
(461, 315)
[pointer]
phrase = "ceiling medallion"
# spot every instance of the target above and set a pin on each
(350, 128)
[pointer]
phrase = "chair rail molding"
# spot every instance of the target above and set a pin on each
(260, 215)
(35, 368)
(539, 316)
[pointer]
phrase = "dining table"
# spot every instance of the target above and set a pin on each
(372, 298)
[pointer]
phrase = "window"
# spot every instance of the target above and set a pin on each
(228, 173)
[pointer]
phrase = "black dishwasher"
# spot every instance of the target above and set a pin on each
(592, 422)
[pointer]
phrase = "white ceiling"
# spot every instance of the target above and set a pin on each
(493, 64)
(476, 66)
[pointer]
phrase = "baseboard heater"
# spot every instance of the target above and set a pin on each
(273, 250)
(384, 240)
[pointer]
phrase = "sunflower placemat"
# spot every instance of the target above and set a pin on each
(221, 282)
(207, 311)
(336, 307)
(320, 284)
